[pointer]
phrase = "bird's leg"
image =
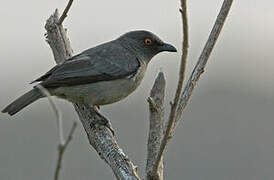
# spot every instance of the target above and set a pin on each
(103, 121)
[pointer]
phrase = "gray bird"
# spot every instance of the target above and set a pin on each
(101, 75)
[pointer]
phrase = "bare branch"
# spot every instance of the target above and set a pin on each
(156, 124)
(100, 137)
(64, 14)
(200, 66)
(57, 113)
(174, 105)
(103, 141)
(62, 143)
(62, 149)
(57, 39)
(180, 103)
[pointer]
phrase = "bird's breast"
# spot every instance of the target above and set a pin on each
(107, 92)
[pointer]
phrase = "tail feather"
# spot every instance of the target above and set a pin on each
(23, 101)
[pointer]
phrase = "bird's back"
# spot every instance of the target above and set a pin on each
(105, 62)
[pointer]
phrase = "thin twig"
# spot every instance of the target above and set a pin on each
(62, 149)
(63, 143)
(57, 113)
(174, 105)
(64, 14)
(199, 68)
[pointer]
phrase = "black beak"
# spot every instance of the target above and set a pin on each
(168, 47)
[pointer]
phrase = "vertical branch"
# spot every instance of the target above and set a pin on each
(62, 149)
(174, 105)
(180, 103)
(57, 113)
(156, 121)
(64, 14)
(185, 45)
(57, 38)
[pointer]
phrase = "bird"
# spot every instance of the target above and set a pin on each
(101, 75)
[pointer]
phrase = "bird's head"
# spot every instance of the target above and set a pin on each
(144, 44)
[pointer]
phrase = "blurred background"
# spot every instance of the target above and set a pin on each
(228, 125)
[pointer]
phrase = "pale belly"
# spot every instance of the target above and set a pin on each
(101, 93)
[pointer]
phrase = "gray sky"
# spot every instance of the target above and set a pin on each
(228, 124)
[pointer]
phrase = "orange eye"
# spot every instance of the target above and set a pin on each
(148, 41)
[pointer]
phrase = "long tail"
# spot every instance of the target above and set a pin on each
(23, 101)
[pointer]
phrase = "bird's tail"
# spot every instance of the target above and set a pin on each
(23, 101)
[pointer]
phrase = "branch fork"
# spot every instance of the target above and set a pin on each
(181, 98)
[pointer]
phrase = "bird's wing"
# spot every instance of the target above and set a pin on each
(94, 65)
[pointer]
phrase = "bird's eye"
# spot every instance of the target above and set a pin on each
(148, 41)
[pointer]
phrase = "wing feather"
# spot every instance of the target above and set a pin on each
(102, 63)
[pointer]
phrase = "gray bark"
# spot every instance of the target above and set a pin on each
(156, 127)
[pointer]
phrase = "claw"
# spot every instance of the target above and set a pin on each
(102, 121)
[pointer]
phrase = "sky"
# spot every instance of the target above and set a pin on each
(228, 124)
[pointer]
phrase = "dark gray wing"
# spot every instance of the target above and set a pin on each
(106, 62)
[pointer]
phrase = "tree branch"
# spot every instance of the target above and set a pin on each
(103, 141)
(174, 105)
(62, 143)
(62, 149)
(179, 103)
(100, 137)
(156, 126)
(57, 39)
(64, 14)
(200, 66)
(57, 113)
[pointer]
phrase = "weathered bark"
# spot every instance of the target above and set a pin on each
(156, 127)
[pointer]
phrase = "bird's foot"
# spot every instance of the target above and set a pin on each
(103, 122)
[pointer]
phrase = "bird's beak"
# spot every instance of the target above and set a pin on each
(168, 47)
